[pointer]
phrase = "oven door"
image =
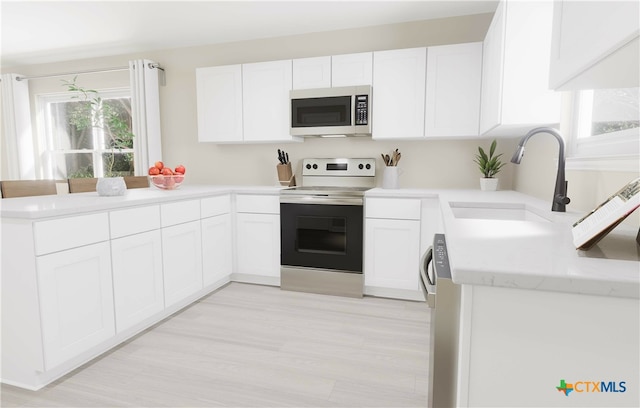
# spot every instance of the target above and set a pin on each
(323, 236)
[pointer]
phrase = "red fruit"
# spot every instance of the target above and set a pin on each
(180, 169)
(169, 182)
(159, 165)
(178, 178)
(166, 172)
(154, 171)
(158, 180)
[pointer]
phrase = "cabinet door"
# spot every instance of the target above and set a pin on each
(258, 244)
(453, 90)
(492, 66)
(310, 73)
(76, 301)
(392, 254)
(265, 91)
(182, 261)
(515, 82)
(352, 69)
(399, 93)
(586, 32)
(219, 100)
(137, 278)
(216, 249)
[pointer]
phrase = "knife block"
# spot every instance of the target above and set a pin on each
(285, 175)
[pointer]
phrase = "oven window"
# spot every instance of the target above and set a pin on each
(321, 235)
(314, 112)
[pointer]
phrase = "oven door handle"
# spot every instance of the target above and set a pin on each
(321, 200)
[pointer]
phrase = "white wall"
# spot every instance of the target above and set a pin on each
(427, 164)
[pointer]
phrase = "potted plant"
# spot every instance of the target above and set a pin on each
(106, 115)
(489, 166)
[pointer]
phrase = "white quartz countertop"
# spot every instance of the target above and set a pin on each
(537, 255)
(67, 204)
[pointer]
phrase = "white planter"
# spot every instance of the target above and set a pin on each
(111, 186)
(488, 184)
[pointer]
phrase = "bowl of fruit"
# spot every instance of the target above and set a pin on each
(166, 178)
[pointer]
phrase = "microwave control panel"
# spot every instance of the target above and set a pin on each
(362, 109)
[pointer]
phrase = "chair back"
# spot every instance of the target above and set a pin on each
(82, 185)
(26, 188)
(136, 182)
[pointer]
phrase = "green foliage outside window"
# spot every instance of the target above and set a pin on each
(113, 117)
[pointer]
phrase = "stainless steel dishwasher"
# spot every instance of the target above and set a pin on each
(443, 298)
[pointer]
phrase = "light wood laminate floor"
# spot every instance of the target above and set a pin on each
(257, 346)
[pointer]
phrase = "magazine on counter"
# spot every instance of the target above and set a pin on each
(591, 228)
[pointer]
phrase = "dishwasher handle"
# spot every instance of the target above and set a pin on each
(427, 258)
(428, 282)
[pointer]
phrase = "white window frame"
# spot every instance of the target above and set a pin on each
(44, 157)
(616, 151)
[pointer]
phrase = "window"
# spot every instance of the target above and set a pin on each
(86, 135)
(606, 127)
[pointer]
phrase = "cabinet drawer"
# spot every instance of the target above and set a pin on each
(179, 212)
(65, 233)
(393, 208)
(259, 204)
(212, 206)
(134, 221)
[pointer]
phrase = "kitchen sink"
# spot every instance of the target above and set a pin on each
(496, 211)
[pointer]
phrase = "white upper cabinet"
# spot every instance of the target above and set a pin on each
(310, 73)
(399, 93)
(595, 44)
(453, 90)
(265, 95)
(515, 74)
(352, 69)
(219, 97)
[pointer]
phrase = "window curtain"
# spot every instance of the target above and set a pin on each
(145, 113)
(16, 128)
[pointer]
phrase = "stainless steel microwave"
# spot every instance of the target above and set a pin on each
(331, 111)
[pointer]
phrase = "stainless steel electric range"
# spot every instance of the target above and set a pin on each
(322, 227)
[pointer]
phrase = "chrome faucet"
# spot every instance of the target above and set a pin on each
(560, 199)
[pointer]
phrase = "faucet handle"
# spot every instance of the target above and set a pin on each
(560, 199)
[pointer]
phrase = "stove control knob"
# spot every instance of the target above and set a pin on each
(308, 166)
(368, 166)
(315, 167)
(360, 166)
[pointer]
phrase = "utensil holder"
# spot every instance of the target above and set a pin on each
(390, 177)
(285, 175)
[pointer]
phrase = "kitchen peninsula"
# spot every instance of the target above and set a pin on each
(534, 310)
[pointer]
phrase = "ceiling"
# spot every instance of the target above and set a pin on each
(36, 32)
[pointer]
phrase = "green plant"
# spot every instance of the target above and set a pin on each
(110, 115)
(489, 165)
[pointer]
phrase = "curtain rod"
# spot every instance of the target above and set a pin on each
(94, 71)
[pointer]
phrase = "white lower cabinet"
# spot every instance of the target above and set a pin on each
(216, 249)
(137, 278)
(258, 244)
(76, 301)
(392, 247)
(182, 261)
(392, 253)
